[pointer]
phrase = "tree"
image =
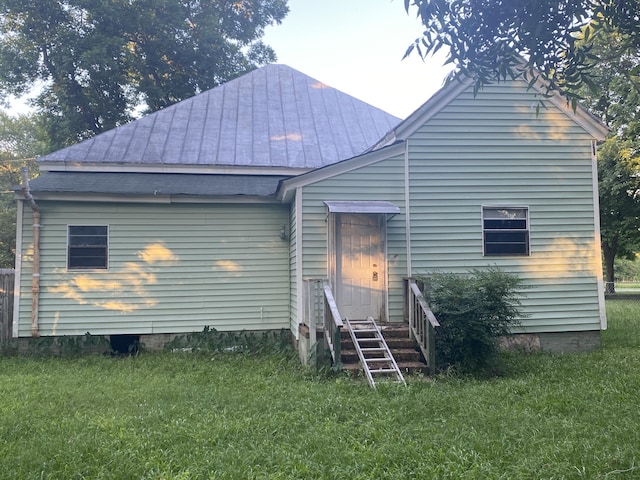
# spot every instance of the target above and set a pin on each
(21, 140)
(22, 136)
(615, 99)
(98, 61)
(619, 186)
(490, 39)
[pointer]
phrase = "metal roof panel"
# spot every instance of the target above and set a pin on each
(274, 116)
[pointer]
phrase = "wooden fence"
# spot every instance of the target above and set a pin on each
(7, 279)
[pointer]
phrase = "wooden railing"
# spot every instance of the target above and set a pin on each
(332, 325)
(321, 310)
(422, 323)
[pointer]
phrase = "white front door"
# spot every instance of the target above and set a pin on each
(360, 266)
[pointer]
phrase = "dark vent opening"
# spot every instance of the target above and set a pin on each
(125, 344)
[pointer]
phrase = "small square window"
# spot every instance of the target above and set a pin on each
(505, 231)
(87, 247)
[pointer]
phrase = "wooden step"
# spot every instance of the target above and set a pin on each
(395, 342)
(392, 331)
(403, 349)
(406, 355)
(401, 355)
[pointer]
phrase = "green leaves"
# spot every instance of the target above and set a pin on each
(613, 95)
(99, 61)
(473, 311)
(21, 139)
(496, 39)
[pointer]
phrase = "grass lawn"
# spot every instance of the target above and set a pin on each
(233, 416)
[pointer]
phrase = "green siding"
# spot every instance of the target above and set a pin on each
(383, 180)
(495, 149)
(172, 269)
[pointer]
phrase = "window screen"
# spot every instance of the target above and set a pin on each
(505, 230)
(88, 247)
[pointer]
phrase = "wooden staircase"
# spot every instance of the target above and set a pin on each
(375, 357)
(403, 348)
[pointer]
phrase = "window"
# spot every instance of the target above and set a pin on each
(505, 230)
(88, 247)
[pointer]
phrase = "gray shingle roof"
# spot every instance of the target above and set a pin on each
(273, 116)
(155, 184)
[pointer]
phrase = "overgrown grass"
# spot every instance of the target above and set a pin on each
(236, 416)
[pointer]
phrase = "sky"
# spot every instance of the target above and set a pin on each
(357, 47)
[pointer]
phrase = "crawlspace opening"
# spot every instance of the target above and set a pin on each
(125, 344)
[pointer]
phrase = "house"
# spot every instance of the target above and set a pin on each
(231, 209)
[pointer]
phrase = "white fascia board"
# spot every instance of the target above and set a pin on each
(299, 281)
(69, 166)
(428, 110)
(597, 237)
(458, 85)
(223, 199)
(162, 199)
(580, 116)
(288, 186)
(407, 208)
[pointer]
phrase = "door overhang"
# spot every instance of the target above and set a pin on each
(363, 206)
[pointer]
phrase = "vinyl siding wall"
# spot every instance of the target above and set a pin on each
(383, 180)
(172, 269)
(495, 150)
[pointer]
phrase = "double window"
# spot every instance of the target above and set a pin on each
(87, 247)
(505, 230)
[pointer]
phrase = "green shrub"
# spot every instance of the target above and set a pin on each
(473, 310)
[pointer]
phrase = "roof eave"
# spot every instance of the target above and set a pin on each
(423, 114)
(580, 114)
(162, 199)
(72, 166)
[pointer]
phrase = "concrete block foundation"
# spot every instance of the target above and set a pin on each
(556, 342)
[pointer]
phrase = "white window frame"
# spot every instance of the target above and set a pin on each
(107, 248)
(526, 229)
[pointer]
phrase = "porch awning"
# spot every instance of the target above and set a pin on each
(362, 206)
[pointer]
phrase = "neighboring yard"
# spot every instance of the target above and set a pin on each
(229, 416)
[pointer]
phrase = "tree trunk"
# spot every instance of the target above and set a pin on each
(609, 254)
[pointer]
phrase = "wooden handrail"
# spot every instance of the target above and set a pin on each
(423, 304)
(422, 323)
(333, 307)
(333, 327)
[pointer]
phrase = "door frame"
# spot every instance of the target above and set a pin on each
(332, 252)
